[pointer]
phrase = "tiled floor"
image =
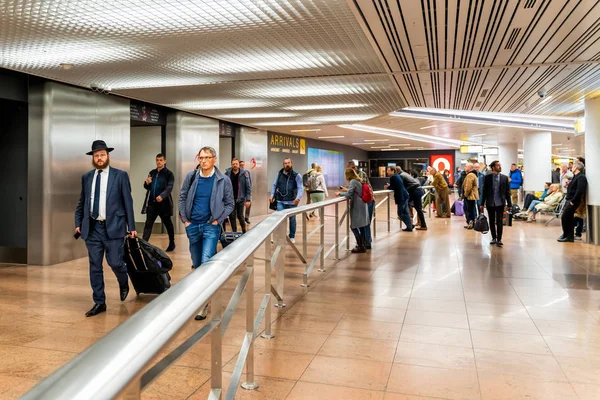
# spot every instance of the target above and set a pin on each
(424, 315)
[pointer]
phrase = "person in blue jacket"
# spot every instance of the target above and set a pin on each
(516, 181)
(401, 197)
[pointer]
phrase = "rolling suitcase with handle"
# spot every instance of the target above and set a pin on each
(147, 268)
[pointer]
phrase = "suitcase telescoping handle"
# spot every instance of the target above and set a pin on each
(141, 254)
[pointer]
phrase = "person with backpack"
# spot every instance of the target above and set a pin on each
(359, 212)
(306, 181)
(287, 190)
(318, 188)
(415, 192)
(364, 179)
(471, 194)
(401, 197)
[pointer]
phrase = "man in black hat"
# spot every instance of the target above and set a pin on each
(103, 217)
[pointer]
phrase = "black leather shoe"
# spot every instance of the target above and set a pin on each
(494, 241)
(407, 230)
(124, 290)
(171, 247)
(97, 309)
(565, 240)
(499, 243)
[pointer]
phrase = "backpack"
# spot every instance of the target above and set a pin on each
(312, 183)
(306, 178)
(515, 209)
(367, 193)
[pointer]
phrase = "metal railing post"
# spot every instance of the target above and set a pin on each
(389, 221)
(216, 356)
(304, 236)
(250, 384)
(280, 234)
(373, 222)
(337, 231)
(322, 239)
(267, 334)
(348, 226)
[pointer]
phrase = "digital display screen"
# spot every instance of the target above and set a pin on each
(332, 162)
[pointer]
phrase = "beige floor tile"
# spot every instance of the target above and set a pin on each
(398, 303)
(31, 363)
(399, 396)
(441, 319)
(176, 383)
(497, 310)
(68, 340)
(299, 342)
(454, 295)
(432, 355)
(509, 342)
(510, 325)
(311, 391)
(378, 314)
(492, 298)
(573, 330)
(495, 386)
(580, 370)
(456, 307)
(277, 364)
(362, 374)
(13, 387)
(579, 348)
(587, 391)
(436, 335)
(359, 348)
(305, 323)
(368, 329)
(558, 314)
(519, 364)
(435, 382)
(268, 389)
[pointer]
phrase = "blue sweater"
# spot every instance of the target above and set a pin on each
(201, 209)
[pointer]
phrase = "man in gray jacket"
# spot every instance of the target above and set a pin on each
(242, 193)
(205, 200)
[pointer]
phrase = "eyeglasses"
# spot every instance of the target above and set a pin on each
(205, 158)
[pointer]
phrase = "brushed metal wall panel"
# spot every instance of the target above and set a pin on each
(186, 134)
(71, 119)
(254, 145)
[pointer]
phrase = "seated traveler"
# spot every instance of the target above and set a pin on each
(551, 201)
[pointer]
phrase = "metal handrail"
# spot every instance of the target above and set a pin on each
(114, 365)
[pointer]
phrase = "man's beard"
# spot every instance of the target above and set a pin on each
(287, 168)
(103, 166)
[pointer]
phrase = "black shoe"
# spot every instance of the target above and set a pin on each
(565, 240)
(97, 309)
(368, 246)
(247, 220)
(358, 250)
(171, 247)
(499, 243)
(578, 237)
(407, 230)
(124, 290)
(494, 241)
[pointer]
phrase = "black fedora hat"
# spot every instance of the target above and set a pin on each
(99, 145)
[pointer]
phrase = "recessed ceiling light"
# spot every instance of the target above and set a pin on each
(305, 130)
(284, 123)
(379, 147)
(377, 140)
(348, 117)
(430, 126)
(257, 115)
(325, 106)
(558, 144)
(219, 104)
(331, 137)
(480, 134)
(66, 66)
(389, 149)
(399, 144)
(546, 99)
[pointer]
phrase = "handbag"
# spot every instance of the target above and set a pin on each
(481, 224)
(273, 205)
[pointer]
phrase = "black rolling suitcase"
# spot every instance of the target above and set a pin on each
(148, 267)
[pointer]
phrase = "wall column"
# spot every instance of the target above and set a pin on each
(537, 156)
(592, 163)
(507, 154)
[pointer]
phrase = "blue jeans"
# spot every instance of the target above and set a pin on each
(533, 204)
(203, 242)
(367, 229)
(404, 215)
(280, 207)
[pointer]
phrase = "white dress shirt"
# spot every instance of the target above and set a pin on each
(103, 189)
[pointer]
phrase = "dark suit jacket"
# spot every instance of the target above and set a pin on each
(488, 190)
(400, 192)
(166, 193)
(119, 205)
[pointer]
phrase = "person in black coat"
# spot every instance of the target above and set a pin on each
(103, 217)
(158, 201)
(496, 198)
(575, 195)
(401, 197)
